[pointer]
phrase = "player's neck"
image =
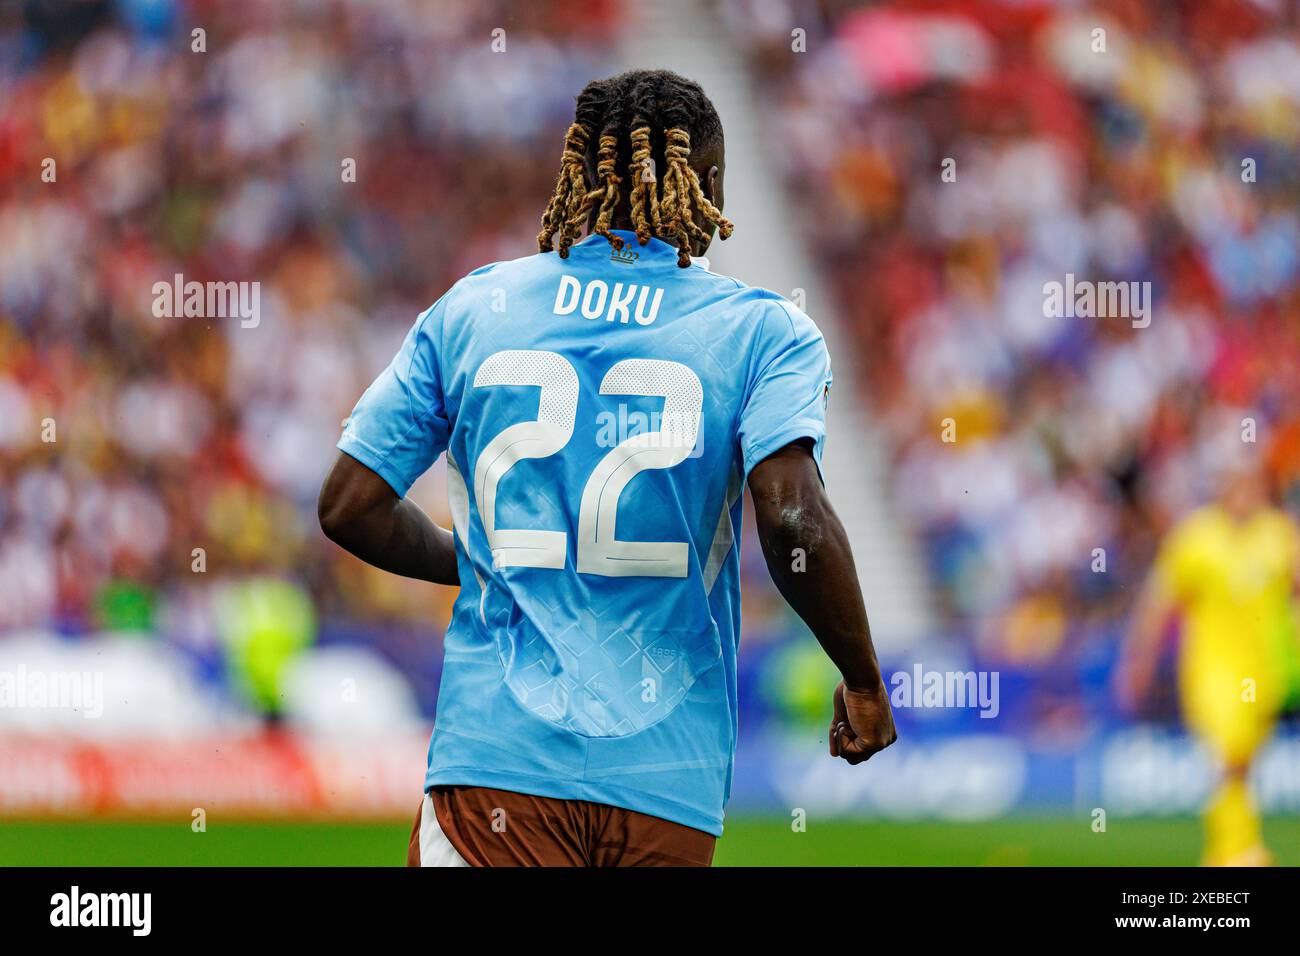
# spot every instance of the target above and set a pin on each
(625, 224)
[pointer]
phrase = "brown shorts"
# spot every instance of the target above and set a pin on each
(488, 827)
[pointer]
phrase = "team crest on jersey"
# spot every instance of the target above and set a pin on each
(627, 256)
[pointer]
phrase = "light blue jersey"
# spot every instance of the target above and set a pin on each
(600, 415)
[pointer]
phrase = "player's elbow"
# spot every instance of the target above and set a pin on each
(792, 524)
(332, 512)
(328, 514)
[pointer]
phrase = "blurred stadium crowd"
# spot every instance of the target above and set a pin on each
(172, 434)
(179, 434)
(1108, 141)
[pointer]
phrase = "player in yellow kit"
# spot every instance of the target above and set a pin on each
(1228, 571)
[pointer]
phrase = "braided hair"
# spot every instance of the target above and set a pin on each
(640, 122)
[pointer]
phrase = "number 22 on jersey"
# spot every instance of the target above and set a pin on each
(599, 550)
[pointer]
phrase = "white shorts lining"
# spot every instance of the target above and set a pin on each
(435, 848)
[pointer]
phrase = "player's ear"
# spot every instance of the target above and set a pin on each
(713, 186)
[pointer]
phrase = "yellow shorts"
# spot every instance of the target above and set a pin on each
(1231, 703)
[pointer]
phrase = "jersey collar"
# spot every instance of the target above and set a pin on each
(655, 247)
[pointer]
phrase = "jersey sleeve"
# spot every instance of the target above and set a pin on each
(787, 400)
(399, 427)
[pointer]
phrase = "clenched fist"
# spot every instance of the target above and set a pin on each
(863, 723)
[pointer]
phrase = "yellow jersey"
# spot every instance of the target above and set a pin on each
(1232, 582)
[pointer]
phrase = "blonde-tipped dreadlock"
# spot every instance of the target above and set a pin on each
(683, 197)
(626, 109)
(645, 197)
(570, 201)
(606, 163)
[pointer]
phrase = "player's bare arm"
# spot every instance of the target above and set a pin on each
(793, 511)
(360, 513)
(1141, 649)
